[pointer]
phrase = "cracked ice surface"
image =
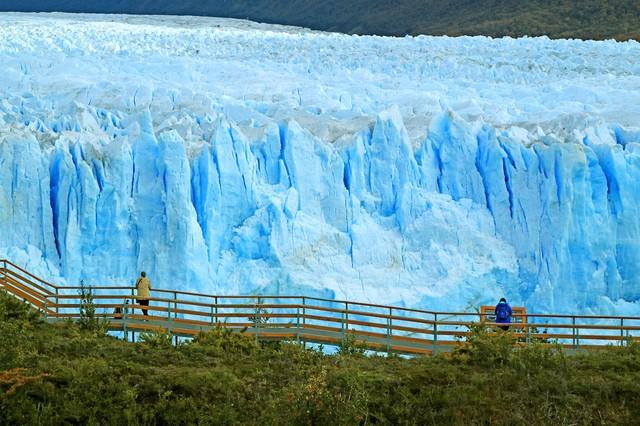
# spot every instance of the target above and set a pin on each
(233, 157)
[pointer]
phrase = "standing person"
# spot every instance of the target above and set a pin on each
(503, 314)
(143, 287)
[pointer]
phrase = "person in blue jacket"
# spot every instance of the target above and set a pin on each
(503, 313)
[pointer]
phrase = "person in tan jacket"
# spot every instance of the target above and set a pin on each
(143, 287)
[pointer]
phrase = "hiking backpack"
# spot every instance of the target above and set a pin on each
(502, 312)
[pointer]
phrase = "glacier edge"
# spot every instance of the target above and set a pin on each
(468, 215)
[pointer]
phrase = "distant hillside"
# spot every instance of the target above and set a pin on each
(586, 19)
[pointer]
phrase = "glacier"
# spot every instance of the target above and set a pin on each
(231, 157)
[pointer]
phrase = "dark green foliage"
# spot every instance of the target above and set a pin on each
(223, 340)
(12, 309)
(63, 374)
(585, 19)
(486, 346)
(156, 339)
(351, 346)
(17, 321)
(260, 315)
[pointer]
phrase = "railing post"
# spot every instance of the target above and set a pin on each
(346, 315)
(3, 281)
(342, 324)
(124, 321)
(212, 321)
(304, 318)
(4, 270)
(576, 341)
(175, 304)
(133, 299)
(257, 321)
(621, 331)
(298, 324)
(57, 309)
(435, 333)
(3, 278)
(389, 331)
(216, 311)
(169, 327)
(175, 311)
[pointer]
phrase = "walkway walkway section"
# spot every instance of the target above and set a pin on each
(308, 319)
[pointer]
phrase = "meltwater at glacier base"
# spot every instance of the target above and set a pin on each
(228, 157)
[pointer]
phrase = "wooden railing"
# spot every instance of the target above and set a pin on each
(307, 319)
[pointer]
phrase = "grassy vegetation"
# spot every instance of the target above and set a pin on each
(585, 19)
(65, 374)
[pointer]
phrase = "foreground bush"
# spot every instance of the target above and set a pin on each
(64, 374)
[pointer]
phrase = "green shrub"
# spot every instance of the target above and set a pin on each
(88, 319)
(351, 346)
(299, 353)
(486, 346)
(226, 341)
(13, 309)
(157, 339)
(538, 356)
(260, 315)
(325, 397)
(63, 374)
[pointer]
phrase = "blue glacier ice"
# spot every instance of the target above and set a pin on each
(350, 184)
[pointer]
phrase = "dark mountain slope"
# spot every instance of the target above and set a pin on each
(587, 19)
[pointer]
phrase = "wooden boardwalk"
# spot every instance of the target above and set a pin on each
(308, 319)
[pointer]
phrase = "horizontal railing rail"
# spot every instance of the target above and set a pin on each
(308, 319)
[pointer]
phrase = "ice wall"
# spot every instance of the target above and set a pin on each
(232, 157)
(468, 215)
